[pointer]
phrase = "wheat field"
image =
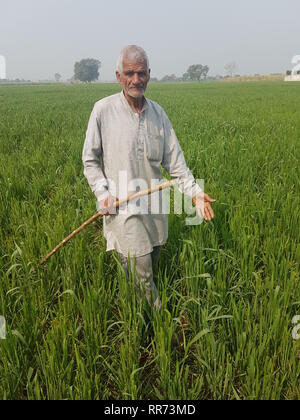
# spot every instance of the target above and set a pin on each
(229, 288)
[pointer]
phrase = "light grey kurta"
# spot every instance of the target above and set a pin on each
(118, 145)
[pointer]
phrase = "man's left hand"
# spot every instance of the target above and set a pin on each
(202, 203)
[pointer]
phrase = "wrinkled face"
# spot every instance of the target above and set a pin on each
(134, 78)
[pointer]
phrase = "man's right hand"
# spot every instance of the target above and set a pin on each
(108, 206)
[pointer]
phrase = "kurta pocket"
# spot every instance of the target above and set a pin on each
(154, 147)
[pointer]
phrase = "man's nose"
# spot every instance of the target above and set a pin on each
(135, 78)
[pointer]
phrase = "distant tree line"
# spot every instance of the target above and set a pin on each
(87, 70)
(198, 72)
(195, 73)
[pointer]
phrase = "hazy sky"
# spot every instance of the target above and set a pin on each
(41, 37)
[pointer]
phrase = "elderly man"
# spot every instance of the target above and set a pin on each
(129, 138)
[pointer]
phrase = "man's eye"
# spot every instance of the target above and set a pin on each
(142, 74)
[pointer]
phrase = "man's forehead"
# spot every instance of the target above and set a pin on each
(134, 65)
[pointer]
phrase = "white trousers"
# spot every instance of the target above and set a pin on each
(143, 275)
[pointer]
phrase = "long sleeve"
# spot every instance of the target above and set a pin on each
(174, 162)
(91, 157)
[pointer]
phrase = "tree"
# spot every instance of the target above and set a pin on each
(205, 71)
(87, 70)
(196, 71)
(185, 77)
(231, 68)
(169, 78)
(57, 77)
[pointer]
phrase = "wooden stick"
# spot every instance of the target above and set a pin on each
(96, 216)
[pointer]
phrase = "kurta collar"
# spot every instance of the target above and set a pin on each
(124, 100)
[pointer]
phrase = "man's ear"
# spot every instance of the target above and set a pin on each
(118, 76)
(149, 73)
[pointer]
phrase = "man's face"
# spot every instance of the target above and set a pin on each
(134, 78)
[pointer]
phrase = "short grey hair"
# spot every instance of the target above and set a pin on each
(133, 53)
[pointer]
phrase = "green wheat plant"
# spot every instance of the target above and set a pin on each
(229, 289)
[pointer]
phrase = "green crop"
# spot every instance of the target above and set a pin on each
(229, 288)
